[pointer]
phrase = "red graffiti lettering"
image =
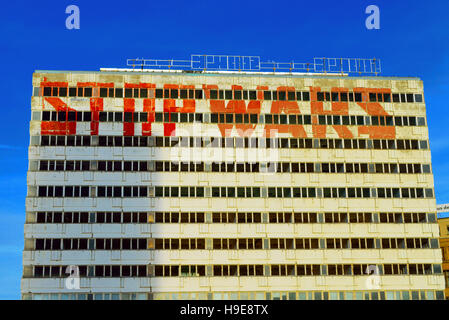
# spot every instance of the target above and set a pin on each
(374, 109)
(149, 107)
(96, 105)
(337, 108)
(188, 106)
(241, 107)
(58, 127)
(236, 107)
(128, 125)
(286, 107)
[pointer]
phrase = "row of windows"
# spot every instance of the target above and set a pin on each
(233, 217)
(92, 271)
(233, 244)
(280, 95)
(306, 217)
(231, 118)
(93, 244)
(299, 295)
(245, 295)
(250, 167)
(295, 270)
(244, 270)
(120, 92)
(299, 243)
(87, 296)
(230, 192)
(230, 142)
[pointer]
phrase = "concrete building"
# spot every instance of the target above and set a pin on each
(444, 244)
(181, 185)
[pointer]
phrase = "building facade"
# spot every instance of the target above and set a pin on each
(444, 244)
(181, 185)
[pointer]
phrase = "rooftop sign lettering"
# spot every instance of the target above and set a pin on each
(236, 63)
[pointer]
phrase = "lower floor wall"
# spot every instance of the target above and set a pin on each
(273, 295)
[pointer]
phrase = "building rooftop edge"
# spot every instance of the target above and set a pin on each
(217, 73)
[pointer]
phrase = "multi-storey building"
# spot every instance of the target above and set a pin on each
(181, 185)
(444, 244)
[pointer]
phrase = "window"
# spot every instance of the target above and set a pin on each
(198, 94)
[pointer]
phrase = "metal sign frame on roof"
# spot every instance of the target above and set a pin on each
(203, 62)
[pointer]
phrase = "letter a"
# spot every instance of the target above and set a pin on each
(72, 21)
(373, 20)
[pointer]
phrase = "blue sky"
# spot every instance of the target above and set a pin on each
(413, 40)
